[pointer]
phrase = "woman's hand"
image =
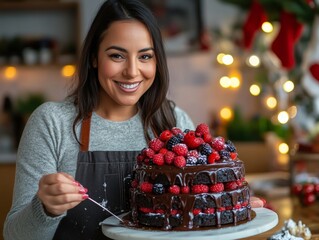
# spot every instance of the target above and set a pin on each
(59, 192)
(256, 202)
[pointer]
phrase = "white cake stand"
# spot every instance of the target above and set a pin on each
(265, 220)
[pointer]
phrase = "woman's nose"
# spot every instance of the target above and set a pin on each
(131, 69)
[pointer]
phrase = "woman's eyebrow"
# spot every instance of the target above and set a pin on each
(124, 50)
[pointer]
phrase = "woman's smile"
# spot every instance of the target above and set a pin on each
(128, 87)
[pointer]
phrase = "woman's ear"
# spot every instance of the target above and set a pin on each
(94, 63)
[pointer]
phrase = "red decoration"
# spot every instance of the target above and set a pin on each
(314, 69)
(283, 45)
(256, 17)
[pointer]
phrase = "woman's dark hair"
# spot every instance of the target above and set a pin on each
(155, 109)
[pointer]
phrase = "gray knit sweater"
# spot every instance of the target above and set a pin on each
(47, 146)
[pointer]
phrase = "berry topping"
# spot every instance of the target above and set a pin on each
(158, 188)
(175, 189)
(156, 144)
(146, 187)
(185, 189)
(200, 188)
(216, 188)
(196, 211)
(180, 149)
(180, 161)
(158, 159)
(202, 129)
(169, 157)
(231, 185)
(165, 135)
(218, 143)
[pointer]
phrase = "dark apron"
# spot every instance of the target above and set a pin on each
(107, 176)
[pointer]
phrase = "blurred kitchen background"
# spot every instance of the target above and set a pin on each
(249, 69)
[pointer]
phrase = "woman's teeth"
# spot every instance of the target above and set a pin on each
(128, 86)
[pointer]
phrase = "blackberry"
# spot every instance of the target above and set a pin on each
(205, 149)
(224, 155)
(191, 160)
(158, 188)
(202, 159)
(186, 130)
(172, 142)
(230, 146)
(180, 136)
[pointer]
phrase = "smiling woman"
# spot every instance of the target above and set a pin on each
(117, 105)
(126, 68)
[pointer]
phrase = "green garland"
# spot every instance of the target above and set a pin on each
(305, 12)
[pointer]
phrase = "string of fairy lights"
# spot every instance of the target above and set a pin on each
(11, 73)
(278, 104)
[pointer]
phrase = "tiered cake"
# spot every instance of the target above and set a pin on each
(186, 180)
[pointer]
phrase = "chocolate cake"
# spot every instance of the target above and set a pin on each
(188, 180)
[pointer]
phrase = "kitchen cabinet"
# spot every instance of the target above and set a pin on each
(47, 29)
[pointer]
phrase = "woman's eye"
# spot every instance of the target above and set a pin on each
(116, 56)
(146, 57)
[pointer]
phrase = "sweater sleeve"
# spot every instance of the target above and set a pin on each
(36, 156)
(183, 120)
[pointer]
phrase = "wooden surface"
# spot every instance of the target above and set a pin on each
(7, 173)
(289, 208)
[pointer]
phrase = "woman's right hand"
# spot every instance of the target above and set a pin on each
(59, 192)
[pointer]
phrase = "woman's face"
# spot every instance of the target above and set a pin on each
(126, 63)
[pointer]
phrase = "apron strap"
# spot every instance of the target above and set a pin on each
(85, 133)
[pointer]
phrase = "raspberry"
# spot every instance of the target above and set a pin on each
(231, 185)
(202, 129)
(169, 157)
(174, 212)
(145, 210)
(196, 211)
(221, 209)
(134, 183)
(218, 143)
(140, 157)
(192, 141)
(146, 187)
(237, 206)
(163, 151)
(214, 156)
(158, 159)
(175, 189)
(160, 211)
(156, 144)
(185, 189)
(209, 210)
(176, 130)
(233, 155)
(200, 188)
(207, 138)
(148, 152)
(158, 188)
(180, 161)
(216, 188)
(193, 153)
(165, 135)
(180, 149)
(239, 182)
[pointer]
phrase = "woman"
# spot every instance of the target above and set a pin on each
(92, 139)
